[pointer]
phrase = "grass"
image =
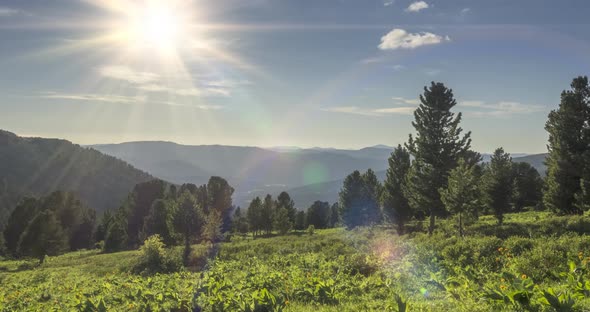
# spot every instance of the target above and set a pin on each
(514, 267)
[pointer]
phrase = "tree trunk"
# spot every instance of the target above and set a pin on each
(431, 226)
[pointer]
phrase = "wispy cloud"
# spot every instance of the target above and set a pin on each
(375, 112)
(401, 39)
(127, 74)
(94, 97)
(398, 67)
(500, 109)
(465, 11)
(401, 100)
(152, 82)
(120, 99)
(388, 2)
(5, 11)
(417, 6)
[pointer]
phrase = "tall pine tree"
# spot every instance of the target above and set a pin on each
(396, 207)
(568, 166)
(436, 147)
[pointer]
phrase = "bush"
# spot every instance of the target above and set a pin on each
(154, 258)
(311, 229)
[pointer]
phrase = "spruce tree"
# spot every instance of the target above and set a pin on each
(396, 207)
(44, 236)
(462, 197)
(254, 215)
(268, 210)
(285, 201)
(568, 167)
(498, 184)
(436, 147)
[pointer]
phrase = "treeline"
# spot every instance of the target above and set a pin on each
(184, 214)
(49, 226)
(437, 175)
(179, 215)
(264, 216)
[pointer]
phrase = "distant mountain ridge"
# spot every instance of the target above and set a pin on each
(38, 166)
(307, 174)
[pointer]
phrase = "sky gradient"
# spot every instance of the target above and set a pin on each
(330, 73)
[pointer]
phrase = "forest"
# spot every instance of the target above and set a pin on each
(444, 231)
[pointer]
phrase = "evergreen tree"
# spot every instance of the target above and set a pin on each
(116, 235)
(254, 215)
(20, 217)
(160, 221)
(285, 201)
(240, 222)
(138, 206)
(527, 186)
(436, 148)
(334, 215)
(188, 221)
(372, 194)
(568, 169)
(352, 200)
(462, 196)
(498, 183)
(268, 209)
(83, 234)
(282, 223)
(43, 236)
(103, 225)
(219, 194)
(396, 207)
(318, 214)
(300, 221)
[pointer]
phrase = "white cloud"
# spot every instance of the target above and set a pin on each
(398, 67)
(433, 72)
(388, 2)
(500, 109)
(465, 11)
(402, 100)
(127, 74)
(152, 82)
(417, 6)
(121, 99)
(401, 39)
(375, 112)
(4, 11)
(111, 98)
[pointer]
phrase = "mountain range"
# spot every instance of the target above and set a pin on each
(306, 174)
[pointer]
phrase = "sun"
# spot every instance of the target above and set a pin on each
(156, 26)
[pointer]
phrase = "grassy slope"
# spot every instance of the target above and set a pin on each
(333, 270)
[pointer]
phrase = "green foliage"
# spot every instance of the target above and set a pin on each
(436, 148)
(254, 215)
(153, 258)
(359, 199)
(284, 201)
(300, 220)
(396, 207)
(188, 218)
(160, 221)
(311, 229)
(462, 196)
(138, 207)
(318, 215)
(568, 165)
(43, 236)
(498, 183)
(527, 187)
(116, 235)
(282, 222)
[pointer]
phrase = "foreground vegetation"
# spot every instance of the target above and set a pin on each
(535, 261)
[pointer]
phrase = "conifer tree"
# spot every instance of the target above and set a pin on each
(436, 147)
(462, 197)
(396, 207)
(254, 215)
(498, 184)
(568, 164)
(44, 236)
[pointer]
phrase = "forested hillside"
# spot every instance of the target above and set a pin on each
(36, 166)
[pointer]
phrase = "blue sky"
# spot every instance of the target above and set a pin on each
(331, 73)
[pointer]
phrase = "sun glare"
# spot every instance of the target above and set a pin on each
(156, 26)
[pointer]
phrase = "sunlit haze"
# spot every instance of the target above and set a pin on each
(336, 73)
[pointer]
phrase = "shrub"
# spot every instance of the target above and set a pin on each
(311, 229)
(154, 258)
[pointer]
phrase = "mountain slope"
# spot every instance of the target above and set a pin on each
(37, 166)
